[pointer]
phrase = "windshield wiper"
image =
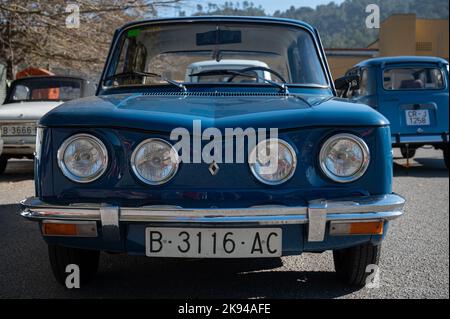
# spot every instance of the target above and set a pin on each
(282, 86)
(181, 86)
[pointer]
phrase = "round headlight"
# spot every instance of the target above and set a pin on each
(273, 161)
(82, 158)
(344, 158)
(154, 161)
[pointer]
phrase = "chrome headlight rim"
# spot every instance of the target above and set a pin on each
(294, 162)
(67, 173)
(139, 176)
(364, 165)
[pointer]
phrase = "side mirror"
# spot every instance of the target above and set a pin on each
(347, 82)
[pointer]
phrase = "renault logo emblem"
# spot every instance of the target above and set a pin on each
(213, 168)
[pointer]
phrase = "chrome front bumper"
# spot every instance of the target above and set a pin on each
(316, 214)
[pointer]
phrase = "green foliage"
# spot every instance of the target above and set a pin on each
(339, 25)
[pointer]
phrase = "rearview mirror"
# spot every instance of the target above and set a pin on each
(219, 37)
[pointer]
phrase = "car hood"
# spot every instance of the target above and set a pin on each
(165, 112)
(26, 110)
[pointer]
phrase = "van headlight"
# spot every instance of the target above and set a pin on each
(82, 158)
(154, 161)
(273, 161)
(344, 158)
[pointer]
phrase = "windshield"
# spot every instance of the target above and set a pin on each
(181, 52)
(45, 89)
(428, 78)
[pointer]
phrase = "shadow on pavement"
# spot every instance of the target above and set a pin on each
(25, 273)
(18, 170)
(421, 167)
(141, 277)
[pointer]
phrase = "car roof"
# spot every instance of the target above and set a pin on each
(46, 77)
(219, 18)
(401, 59)
(228, 62)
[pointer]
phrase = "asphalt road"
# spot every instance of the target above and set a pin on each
(414, 261)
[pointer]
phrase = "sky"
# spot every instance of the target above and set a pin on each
(270, 6)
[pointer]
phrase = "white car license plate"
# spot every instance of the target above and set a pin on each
(417, 117)
(213, 242)
(19, 130)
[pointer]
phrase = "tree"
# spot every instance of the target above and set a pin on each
(40, 33)
(340, 25)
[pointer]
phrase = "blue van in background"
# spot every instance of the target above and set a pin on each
(411, 92)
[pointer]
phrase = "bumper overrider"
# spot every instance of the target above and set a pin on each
(315, 215)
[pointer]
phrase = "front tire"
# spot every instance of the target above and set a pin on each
(86, 260)
(3, 163)
(408, 153)
(351, 263)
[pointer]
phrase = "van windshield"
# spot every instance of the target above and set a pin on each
(189, 52)
(427, 78)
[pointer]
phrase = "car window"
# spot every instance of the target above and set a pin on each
(45, 90)
(427, 78)
(363, 84)
(363, 88)
(174, 50)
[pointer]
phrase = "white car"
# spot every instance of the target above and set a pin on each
(27, 100)
(1, 144)
(226, 64)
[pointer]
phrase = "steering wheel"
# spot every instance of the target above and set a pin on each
(257, 68)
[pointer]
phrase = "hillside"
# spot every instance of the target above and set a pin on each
(339, 25)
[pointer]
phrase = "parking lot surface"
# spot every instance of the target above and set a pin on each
(414, 261)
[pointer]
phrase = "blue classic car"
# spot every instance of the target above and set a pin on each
(237, 165)
(411, 92)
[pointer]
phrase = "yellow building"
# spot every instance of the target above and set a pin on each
(400, 34)
(340, 60)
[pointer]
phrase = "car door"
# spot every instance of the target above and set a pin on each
(414, 97)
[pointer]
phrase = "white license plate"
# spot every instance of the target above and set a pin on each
(417, 117)
(19, 130)
(213, 242)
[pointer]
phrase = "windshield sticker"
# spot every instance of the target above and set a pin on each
(133, 33)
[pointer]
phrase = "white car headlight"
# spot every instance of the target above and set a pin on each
(273, 161)
(83, 158)
(155, 161)
(344, 158)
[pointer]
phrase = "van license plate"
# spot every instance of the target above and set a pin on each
(417, 117)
